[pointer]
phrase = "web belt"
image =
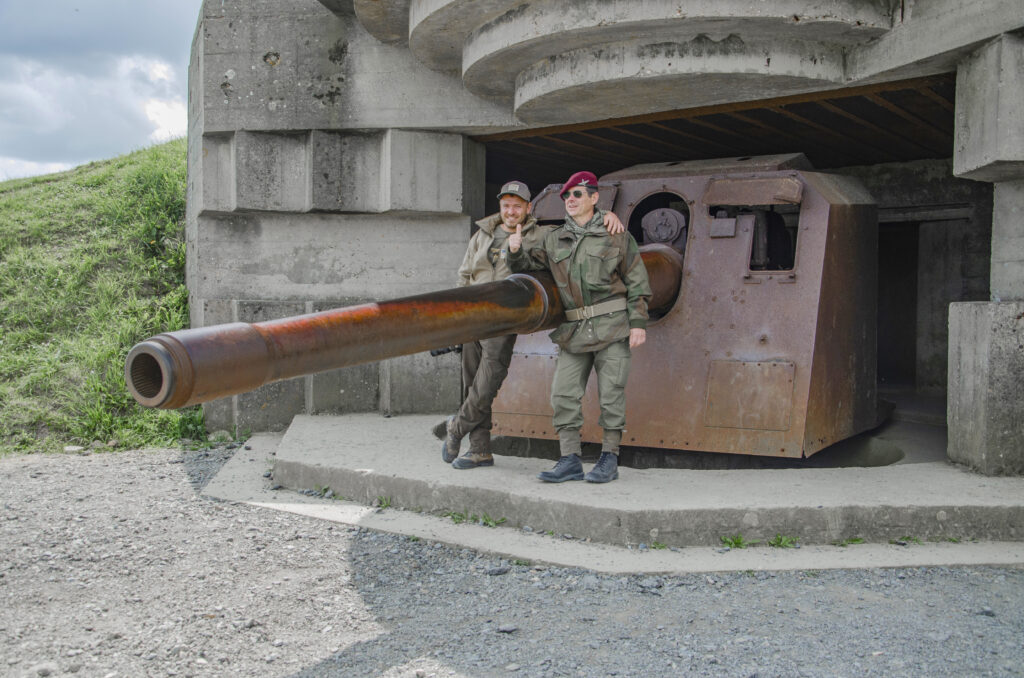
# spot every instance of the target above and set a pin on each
(604, 308)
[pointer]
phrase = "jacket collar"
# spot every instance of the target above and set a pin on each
(488, 224)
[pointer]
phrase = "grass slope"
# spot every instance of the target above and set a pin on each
(91, 262)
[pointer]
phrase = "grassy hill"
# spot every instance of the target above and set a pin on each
(91, 262)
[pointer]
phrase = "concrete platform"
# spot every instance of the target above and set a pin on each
(366, 457)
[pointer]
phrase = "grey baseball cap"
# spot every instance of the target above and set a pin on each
(516, 188)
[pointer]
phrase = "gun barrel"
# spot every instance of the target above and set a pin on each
(177, 369)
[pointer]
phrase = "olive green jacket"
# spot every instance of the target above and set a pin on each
(589, 267)
(490, 243)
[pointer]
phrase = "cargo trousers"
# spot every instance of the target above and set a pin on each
(484, 367)
(570, 383)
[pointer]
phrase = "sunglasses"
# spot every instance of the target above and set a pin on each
(576, 193)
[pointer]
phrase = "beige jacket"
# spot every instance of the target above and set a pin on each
(476, 267)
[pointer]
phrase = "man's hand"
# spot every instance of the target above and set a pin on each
(637, 336)
(613, 224)
(515, 240)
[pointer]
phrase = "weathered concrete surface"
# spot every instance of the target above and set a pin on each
(365, 457)
(529, 34)
(989, 142)
(386, 21)
(326, 257)
(932, 37)
(325, 171)
(594, 83)
(241, 480)
(1007, 274)
(317, 180)
(545, 56)
(986, 386)
(295, 65)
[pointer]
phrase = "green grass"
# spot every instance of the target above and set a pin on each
(462, 517)
(782, 541)
(737, 541)
(91, 262)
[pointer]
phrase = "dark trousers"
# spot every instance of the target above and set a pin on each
(484, 367)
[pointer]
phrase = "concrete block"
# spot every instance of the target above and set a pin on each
(421, 383)
(346, 172)
(219, 415)
(271, 172)
(301, 65)
(271, 407)
(217, 188)
(423, 171)
(989, 138)
(326, 256)
(985, 403)
(1007, 272)
(350, 389)
(214, 312)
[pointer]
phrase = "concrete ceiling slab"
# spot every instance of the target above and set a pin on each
(614, 80)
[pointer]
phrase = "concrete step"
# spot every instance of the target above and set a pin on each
(366, 458)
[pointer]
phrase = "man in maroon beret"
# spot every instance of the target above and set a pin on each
(604, 289)
(485, 363)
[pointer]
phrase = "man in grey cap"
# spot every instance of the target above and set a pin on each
(485, 363)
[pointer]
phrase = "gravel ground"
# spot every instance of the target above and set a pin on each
(113, 565)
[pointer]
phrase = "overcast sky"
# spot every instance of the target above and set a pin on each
(88, 80)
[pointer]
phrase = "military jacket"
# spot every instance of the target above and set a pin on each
(486, 257)
(590, 267)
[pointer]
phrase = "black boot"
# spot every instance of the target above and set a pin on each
(569, 467)
(605, 470)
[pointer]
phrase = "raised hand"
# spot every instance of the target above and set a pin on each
(515, 241)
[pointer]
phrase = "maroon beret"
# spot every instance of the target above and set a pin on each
(579, 179)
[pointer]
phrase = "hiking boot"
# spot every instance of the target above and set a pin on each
(452, 442)
(605, 470)
(473, 459)
(569, 467)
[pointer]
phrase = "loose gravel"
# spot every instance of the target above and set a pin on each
(113, 565)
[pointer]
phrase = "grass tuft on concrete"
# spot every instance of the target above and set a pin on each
(92, 261)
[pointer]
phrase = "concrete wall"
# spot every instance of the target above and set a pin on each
(954, 218)
(314, 185)
(986, 364)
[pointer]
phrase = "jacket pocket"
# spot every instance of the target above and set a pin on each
(599, 267)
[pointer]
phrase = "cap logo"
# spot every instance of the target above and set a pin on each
(584, 182)
(513, 187)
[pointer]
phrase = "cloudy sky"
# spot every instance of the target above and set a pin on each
(88, 80)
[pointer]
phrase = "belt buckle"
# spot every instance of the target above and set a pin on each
(588, 312)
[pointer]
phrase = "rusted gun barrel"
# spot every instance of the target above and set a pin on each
(182, 368)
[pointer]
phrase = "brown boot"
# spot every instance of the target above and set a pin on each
(479, 453)
(473, 459)
(452, 442)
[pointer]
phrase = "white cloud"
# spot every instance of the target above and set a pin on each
(52, 115)
(169, 116)
(14, 168)
(92, 80)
